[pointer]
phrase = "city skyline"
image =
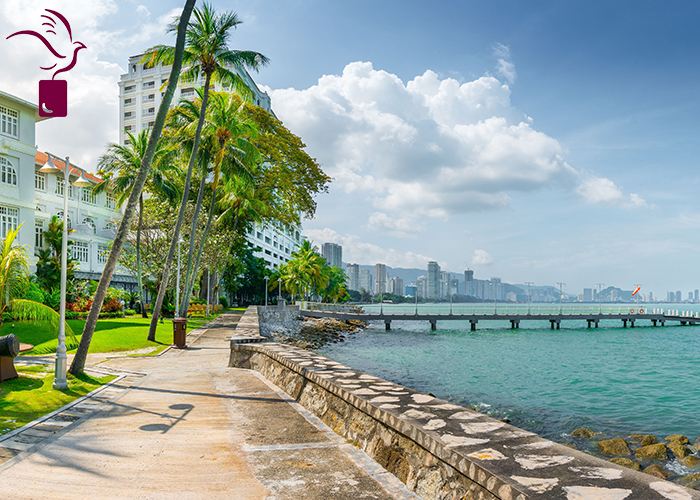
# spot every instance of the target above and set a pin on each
(525, 141)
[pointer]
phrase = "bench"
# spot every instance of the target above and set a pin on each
(10, 347)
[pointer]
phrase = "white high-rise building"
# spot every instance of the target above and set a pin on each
(380, 278)
(397, 286)
(139, 100)
(30, 198)
(366, 282)
(433, 280)
(353, 273)
(333, 253)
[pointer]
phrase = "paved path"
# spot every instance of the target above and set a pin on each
(183, 425)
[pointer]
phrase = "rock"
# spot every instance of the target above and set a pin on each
(656, 470)
(626, 462)
(647, 440)
(636, 437)
(652, 452)
(690, 461)
(696, 446)
(582, 432)
(677, 438)
(615, 446)
(691, 481)
(678, 449)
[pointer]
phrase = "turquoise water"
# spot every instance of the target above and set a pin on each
(613, 380)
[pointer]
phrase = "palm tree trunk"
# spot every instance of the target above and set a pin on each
(188, 292)
(78, 364)
(138, 259)
(180, 217)
(193, 233)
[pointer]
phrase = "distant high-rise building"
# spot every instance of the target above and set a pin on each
(497, 289)
(444, 284)
(651, 297)
(422, 286)
(410, 290)
(679, 296)
(353, 272)
(397, 286)
(690, 296)
(380, 278)
(697, 295)
(366, 282)
(469, 283)
(333, 253)
(588, 295)
(433, 280)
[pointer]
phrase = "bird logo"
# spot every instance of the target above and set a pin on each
(53, 94)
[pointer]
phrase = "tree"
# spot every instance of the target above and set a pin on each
(78, 364)
(119, 167)
(228, 131)
(335, 288)
(303, 274)
(48, 268)
(14, 280)
(206, 52)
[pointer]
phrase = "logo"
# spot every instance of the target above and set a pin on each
(53, 94)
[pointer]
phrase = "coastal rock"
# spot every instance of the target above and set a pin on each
(677, 438)
(615, 446)
(656, 470)
(636, 437)
(652, 452)
(691, 481)
(647, 440)
(626, 462)
(678, 449)
(696, 446)
(583, 432)
(690, 461)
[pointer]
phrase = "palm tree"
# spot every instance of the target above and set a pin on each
(119, 167)
(78, 364)
(206, 53)
(14, 280)
(228, 131)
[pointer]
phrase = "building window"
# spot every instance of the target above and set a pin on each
(59, 188)
(88, 196)
(267, 240)
(40, 181)
(148, 85)
(102, 253)
(128, 128)
(259, 235)
(128, 114)
(8, 220)
(80, 251)
(111, 202)
(9, 122)
(87, 221)
(8, 174)
(128, 101)
(129, 88)
(110, 226)
(38, 236)
(59, 214)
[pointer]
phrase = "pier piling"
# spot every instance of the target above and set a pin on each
(473, 324)
(433, 324)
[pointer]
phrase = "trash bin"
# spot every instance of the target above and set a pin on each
(179, 332)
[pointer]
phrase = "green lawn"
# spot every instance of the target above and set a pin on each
(111, 335)
(31, 395)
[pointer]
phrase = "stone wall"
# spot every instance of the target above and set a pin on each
(278, 314)
(438, 449)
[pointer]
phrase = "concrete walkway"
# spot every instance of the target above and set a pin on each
(184, 425)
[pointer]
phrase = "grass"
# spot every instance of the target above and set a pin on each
(111, 335)
(31, 395)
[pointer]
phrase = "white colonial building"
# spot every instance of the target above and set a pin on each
(31, 198)
(139, 100)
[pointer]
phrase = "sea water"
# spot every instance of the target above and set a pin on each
(613, 380)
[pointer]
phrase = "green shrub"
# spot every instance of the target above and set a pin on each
(35, 293)
(224, 302)
(129, 312)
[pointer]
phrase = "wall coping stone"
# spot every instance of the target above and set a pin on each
(511, 463)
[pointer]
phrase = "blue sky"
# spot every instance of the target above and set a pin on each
(536, 141)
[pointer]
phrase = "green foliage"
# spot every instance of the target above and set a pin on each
(35, 294)
(245, 278)
(48, 268)
(223, 301)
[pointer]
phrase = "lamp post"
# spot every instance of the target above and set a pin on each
(560, 294)
(415, 294)
(267, 278)
(528, 283)
(60, 380)
(495, 310)
(449, 289)
(600, 297)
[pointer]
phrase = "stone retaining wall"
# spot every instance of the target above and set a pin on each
(438, 449)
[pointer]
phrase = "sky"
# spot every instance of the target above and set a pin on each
(544, 141)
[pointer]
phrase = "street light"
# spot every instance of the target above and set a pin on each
(560, 294)
(528, 283)
(495, 310)
(267, 278)
(60, 380)
(600, 298)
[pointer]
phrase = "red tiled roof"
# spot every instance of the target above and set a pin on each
(42, 158)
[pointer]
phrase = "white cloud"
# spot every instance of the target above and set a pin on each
(481, 258)
(432, 146)
(357, 251)
(505, 67)
(401, 227)
(603, 190)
